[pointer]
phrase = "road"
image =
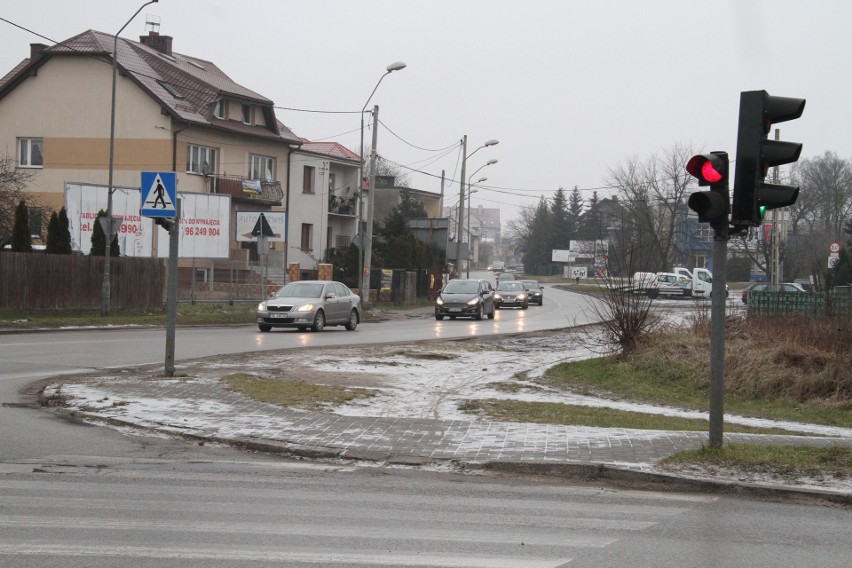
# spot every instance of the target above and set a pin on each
(79, 495)
(163, 514)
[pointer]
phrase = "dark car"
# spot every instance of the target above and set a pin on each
(534, 291)
(505, 277)
(465, 298)
(511, 294)
(786, 288)
(310, 304)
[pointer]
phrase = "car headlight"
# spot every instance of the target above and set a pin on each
(498, 297)
(261, 307)
(473, 302)
(521, 297)
(439, 301)
(304, 308)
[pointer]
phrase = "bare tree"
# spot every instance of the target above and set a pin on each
(652, 193)
(13, 183)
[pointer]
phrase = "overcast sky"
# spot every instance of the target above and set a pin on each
(570, 89)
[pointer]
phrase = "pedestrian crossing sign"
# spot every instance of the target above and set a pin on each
(159, 194)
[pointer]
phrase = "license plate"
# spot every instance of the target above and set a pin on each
(455, 309)
(278, 316)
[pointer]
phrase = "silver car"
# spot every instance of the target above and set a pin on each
(310, 304)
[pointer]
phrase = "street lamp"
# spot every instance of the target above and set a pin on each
(367, 237)
(105, 290)
(459, 227)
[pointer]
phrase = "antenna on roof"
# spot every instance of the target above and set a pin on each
(152, 23)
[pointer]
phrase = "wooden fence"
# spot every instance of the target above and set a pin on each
(38, 281)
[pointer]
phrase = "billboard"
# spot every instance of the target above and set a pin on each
(247, 221)
(82, 203)
(205, 224)
(205, 227)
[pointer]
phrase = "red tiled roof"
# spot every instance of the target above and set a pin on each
(332, 149)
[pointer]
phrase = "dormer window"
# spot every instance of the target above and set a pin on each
(246, 116)
(171, 89)
(219, 109)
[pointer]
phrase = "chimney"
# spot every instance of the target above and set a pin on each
(154, 40)
(36, 50)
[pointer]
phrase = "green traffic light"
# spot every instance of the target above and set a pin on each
(762, 212)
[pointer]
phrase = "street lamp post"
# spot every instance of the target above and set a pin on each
(367, 236)
(459, 224)
(469, 233)
(105, 287)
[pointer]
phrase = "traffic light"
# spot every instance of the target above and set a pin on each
(165, 222)
(711, 170)
(756, 154)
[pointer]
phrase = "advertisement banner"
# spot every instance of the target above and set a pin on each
(205, 227)
(82, 203)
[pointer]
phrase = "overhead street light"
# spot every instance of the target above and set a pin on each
(367, 236)
(105, 287)
(459, 224)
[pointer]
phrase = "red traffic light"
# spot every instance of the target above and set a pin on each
(708, 168)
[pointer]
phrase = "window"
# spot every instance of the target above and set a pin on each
(307, 236)
(261, 167)
(246, 115)
(170, 89)
(219, 109)
(200, 160)
(308, 179)
(30, 153)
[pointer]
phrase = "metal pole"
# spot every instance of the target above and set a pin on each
(105, 286)
(459, 228)
(171, 300)
(718, 300)
(371, 197)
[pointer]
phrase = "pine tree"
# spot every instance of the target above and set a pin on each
(64, 233)
(21, 238)
(99, 239)
(559, 217)
(52, 234)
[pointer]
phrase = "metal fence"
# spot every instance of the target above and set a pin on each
(816, 304)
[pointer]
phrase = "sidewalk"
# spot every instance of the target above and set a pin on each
(203, 409)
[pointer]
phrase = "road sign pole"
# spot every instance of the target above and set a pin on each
(171, 301)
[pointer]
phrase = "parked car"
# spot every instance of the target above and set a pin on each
(505, 277)
(465, 298)
(786, 287)
(511, 294)
(310, 304)
(535, 292)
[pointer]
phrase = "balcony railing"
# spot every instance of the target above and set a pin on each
(268, 192)
(341, 205)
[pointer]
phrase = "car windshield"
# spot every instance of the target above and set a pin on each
(531, 285)
(510, 286)
(461, 287)
(300, 290)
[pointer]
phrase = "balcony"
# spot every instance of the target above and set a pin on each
(246, 190)
(344, 206)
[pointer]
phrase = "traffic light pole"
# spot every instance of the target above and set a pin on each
(718, 300)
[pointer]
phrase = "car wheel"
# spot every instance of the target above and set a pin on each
(264, 327)
(525, 306)
(492, 313)
(439, 317)
(541, 302)
(319, 321)
(353, 320)
(478, 315)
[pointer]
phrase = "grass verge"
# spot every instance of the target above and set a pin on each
(832, 461)
(293, 394)
(575, 415)
(187, 314)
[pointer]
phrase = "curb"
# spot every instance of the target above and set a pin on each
(577, 472)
